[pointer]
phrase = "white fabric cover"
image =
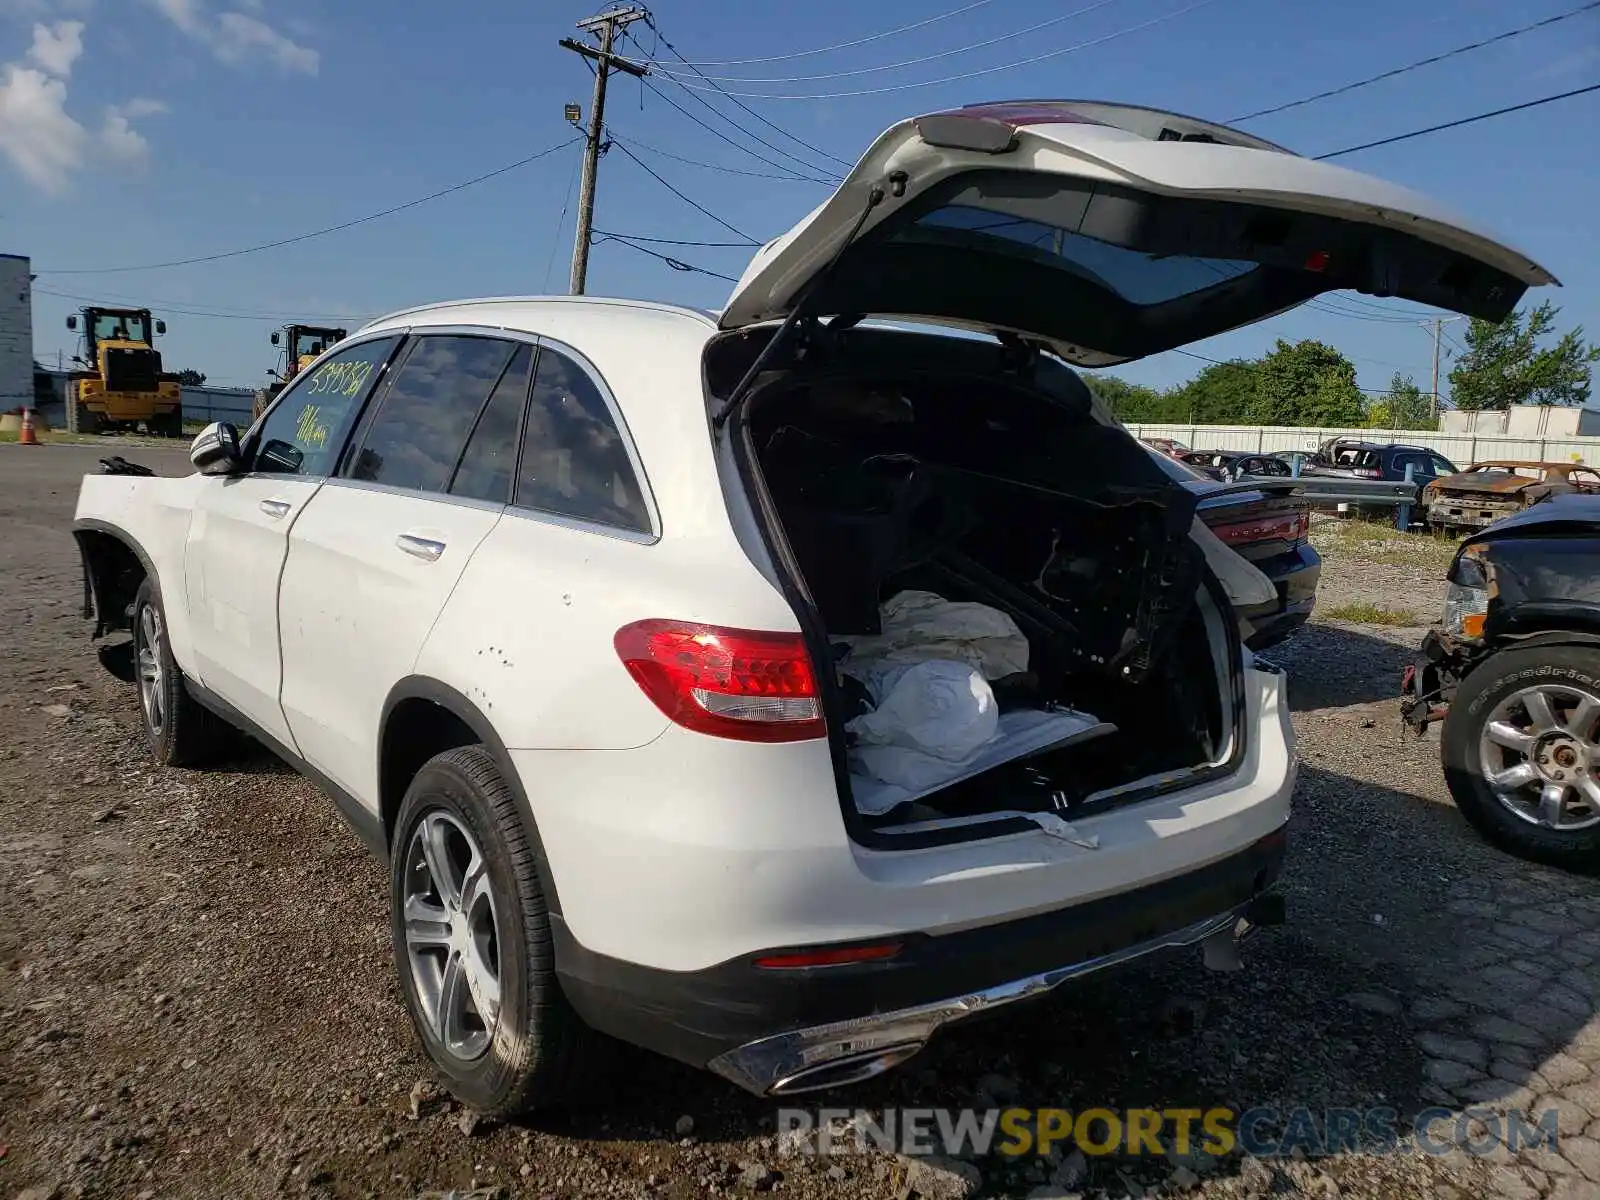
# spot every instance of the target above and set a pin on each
(938, 711)
(918, 626)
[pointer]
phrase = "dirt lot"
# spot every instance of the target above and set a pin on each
(197, 996)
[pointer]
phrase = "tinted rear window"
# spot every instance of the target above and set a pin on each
(1136, 277)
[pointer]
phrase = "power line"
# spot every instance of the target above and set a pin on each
(894, 66)
(644, 166)
(800, 141)
(675, 263)
(788, 177)
(668, 100)
(195, 309)
(316, 233)
(1499, 112)
(655, 241)
(1422, 62)
(862, 41)
(561, 221)
(901, 87)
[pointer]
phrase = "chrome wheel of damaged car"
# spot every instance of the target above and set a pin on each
(149, 649)
(1539, 754)
(452, 940)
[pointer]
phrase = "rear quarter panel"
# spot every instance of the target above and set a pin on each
(527, 633)
(151, 515)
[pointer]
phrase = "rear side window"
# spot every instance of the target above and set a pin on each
(491, 453)
(574, 460)
(304, 430)
(425, 415)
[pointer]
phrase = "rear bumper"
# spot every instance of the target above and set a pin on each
(785, 1031)
(1295, 574)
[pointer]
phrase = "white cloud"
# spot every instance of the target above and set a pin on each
(119, 140)
(56, 47)
(237, 37)
(36, 132)
(140, 107)
(46, 143)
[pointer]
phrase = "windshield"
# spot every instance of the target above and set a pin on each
(1138, 278)
(127, 327)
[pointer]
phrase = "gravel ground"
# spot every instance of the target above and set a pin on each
(197, 996)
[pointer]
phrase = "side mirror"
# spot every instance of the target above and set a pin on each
(274, 339)
(161, 328)
(216, 450)
(72, 322)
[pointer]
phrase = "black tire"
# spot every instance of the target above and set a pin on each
(1493, 680)
(540, 1054)
(179, 731)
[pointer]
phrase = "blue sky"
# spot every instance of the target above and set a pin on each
(139, 131)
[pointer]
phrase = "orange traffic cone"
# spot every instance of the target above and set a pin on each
(26, 436)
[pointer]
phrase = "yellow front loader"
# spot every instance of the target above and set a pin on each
(119, 383)
(302, 346)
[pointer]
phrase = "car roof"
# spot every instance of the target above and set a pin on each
(524, 313)
(1530, 463)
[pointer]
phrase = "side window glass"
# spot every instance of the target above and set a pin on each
(574, 461)
(424, 417)
(491, 453)
(1442, 467)
(303, 432)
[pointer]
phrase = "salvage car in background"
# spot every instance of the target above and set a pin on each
(1488, 491)
(1234, 464)
(1267, 522)
(1513, 671)
(558, 599)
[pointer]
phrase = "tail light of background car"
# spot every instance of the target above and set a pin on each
(1292, 527)
(1366, 472)
(744, 684)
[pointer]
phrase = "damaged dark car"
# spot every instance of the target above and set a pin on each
(1513, 674)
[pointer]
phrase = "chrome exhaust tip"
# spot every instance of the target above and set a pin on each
(840, 1072)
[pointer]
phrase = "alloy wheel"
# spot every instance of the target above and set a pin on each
(1539, 755)
(452, 939)
(152, 676)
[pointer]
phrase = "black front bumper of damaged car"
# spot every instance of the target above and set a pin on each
(782, 1031)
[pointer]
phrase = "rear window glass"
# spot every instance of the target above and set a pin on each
(1138, 278)
(1363, 460)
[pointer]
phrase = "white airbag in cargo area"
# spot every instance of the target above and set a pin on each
(935, 720)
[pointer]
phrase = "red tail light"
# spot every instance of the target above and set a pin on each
(1367, 473)
(733, 683)
(1280, 527)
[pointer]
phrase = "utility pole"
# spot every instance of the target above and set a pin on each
(607, 24)
(1438, 332)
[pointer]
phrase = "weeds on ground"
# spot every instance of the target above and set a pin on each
(1380, 542)
(1365, 613)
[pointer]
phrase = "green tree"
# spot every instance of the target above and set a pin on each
(191, 378)
(1129, 402)
(1222, 394)
(1307, 383)
(1505, 364)
(1405, 407)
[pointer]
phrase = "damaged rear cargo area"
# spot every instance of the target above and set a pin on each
(1010, 616)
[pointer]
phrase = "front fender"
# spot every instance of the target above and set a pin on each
(148, 517)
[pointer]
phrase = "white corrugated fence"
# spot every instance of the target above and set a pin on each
(1462, 449)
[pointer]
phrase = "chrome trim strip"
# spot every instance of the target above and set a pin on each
(783, 1060)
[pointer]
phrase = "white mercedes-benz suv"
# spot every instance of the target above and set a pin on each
(771, 687)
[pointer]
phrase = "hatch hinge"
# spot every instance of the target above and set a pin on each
(1019, 355)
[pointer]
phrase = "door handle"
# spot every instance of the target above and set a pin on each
(275, 508)
(427, 549)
